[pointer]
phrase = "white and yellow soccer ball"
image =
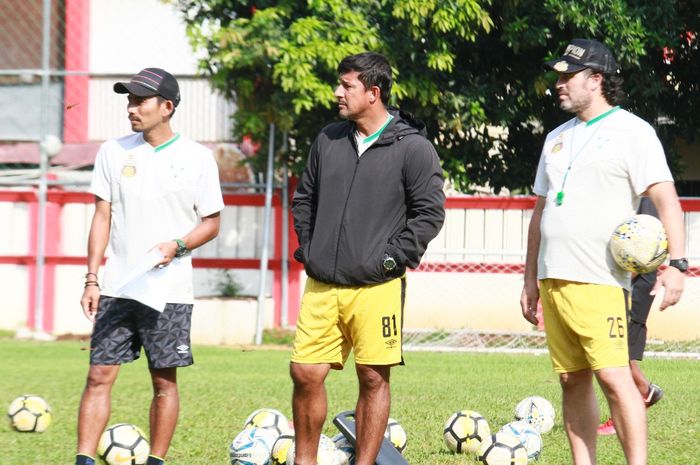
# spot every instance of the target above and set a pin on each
(280, 449)
(502, 449)
(528, 435)
(270, 419)
(537, 411)
(252, 446)
(396, 434)
(29, 413)
(639, 244)
(465, 430)
(327, 452)
(123, 444)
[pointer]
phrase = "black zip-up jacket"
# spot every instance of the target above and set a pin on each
(349, 211)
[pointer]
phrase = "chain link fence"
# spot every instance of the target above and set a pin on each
(59, 61)
(465, 295)
(35, 36)
(465, 299)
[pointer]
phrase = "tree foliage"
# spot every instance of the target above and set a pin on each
(471, 69)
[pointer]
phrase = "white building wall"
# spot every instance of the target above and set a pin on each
(68, 314)
(203, 114)
(14, 234)
(488, 301)
(15, 300)
(75, 225)
(129, 35)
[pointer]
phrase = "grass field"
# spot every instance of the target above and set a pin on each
(226, 384)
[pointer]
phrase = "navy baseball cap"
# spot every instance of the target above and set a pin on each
(584, 53)
(149, 82)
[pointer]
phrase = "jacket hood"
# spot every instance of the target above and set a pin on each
(402, 125)
(410, 120)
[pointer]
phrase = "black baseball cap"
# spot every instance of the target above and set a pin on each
(584, 53)
(149, 82)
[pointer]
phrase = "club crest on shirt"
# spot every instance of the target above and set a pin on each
(128, 170)
(558, 144)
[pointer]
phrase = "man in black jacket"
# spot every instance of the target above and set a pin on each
(368, 203)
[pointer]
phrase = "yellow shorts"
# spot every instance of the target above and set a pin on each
(335, 319)
(586, 325)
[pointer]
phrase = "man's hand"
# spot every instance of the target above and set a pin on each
(89, 301)
(528, 301)
(673, 281)
(168, 249)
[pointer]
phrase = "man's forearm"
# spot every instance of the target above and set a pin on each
(665, 199)
(205, 231)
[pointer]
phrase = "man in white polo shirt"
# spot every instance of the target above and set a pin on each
(592, 172)
(157, 195)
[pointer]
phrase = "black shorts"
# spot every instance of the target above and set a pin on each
(123, 326)
(639, 312)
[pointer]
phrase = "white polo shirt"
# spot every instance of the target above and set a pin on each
(157, 194)
(611, 161)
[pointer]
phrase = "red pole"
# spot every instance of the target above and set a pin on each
(75, 110)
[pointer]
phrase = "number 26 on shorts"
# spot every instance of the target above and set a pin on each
(617, 327)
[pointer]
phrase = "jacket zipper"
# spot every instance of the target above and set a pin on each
(345, 206)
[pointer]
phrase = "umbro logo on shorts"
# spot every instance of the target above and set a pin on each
(182, 349)
(391, 343)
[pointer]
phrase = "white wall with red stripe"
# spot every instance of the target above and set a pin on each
(470, 277)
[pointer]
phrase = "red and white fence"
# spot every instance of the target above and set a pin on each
(469, 278)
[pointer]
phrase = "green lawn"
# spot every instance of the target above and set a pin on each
(227, 384)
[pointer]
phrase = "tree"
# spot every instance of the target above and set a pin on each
(471, 69)
(279, 58)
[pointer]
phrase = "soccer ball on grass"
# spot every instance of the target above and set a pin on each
(29, 413)
(280, 450)
(396, 434)
(537, 411)
(123, 444)
(270, 419)
(528, 435)
(465, 430)
(502, 449)
(252, 446)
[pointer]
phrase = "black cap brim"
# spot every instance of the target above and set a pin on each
(562, 65)
(133, 88)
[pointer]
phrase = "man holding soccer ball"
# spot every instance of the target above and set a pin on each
(592, 172)
(369, 201)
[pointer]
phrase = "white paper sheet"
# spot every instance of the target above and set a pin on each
(147, 284)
